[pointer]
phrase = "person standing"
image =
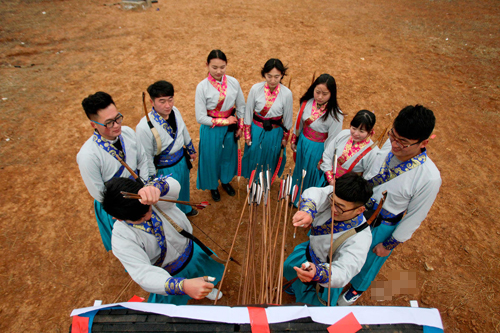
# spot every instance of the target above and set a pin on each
(318, 122)
(412, 181)
(268, 119)
(173, 137)
(98, 157)
(220, 106)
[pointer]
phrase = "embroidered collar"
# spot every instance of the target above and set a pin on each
(315, 113)
(154, 227)
(221, 88)
(386, 174)
(112, 150)
(270, 98)
(351, 148)
(338, 226)
(163, 123)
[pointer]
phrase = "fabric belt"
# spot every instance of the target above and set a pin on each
(268, 124)
(168, 160)
(182, 261)
(313, 135)
(220, 114)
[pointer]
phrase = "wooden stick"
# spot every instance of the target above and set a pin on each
(331, 234)
(231, 249)
(128, 195)
(304, 172)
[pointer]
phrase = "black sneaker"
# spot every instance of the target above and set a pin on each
(229, 189)
(192, 213)
(215, 195)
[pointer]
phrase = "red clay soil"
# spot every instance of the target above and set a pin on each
(384, 55)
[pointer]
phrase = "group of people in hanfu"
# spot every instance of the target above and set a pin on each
(346, 178)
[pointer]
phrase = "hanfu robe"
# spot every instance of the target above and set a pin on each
(276, 106)
(171, 160)
(157, 257)
(347, 259)
(218, 151)
(98, 165)
(412, 187)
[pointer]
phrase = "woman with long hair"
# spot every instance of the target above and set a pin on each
(319, 120)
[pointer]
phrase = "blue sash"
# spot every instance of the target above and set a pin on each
(110, 149)
(174, 267)
(385, 174)
(164, 159)
(325, 229)
(372, 204)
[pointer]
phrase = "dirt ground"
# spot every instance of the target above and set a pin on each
(384, 55)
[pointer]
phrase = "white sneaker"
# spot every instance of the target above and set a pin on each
(213, 293)
(349, 297)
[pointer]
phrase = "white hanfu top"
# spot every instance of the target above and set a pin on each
(138, 250)
(97, 166)
(282, 106)
(207, 98)
(414, 191)
(330, 125)
(351, 255)
(146, 138)
(337, 145)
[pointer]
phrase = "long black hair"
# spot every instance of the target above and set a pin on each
(332, 107)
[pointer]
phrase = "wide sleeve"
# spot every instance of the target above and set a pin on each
(200, 106)
(348, 260)
(297, 127)
(146, 168)
(288, 110)
(137, 263)
(146, 140)
(315, 199)
(328, 153)
(335, 128)
(240, 105)
(90, 170)
(250, 106)
(418, 208)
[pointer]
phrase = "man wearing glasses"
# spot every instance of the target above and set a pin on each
(412, 181)
(97, 159)
(308, 264)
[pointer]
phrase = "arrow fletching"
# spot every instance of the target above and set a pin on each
(295, 190)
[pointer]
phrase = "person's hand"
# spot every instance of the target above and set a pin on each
(192, 156)
(294, 147)
(332, 182)
(232, 120)
(306, 272)
(248, 142)
(149, 195)
(238, 133)
(283, 143)
(302, 219)
(380, 250)
(197, 288)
